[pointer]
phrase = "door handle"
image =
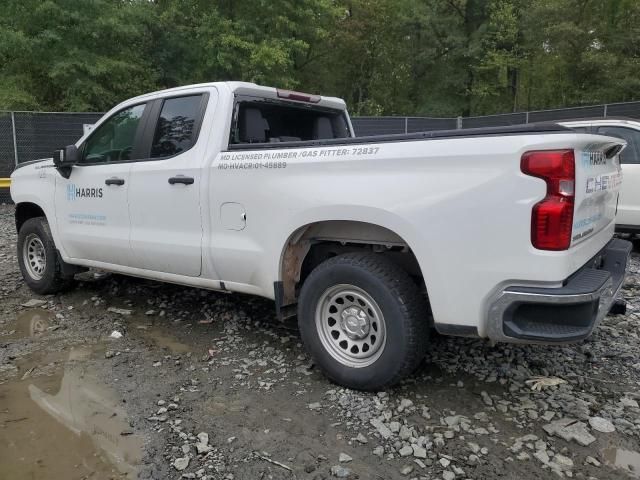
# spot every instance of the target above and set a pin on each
(181, 179)
(114, 181)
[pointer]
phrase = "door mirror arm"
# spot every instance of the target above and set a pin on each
(65, 158)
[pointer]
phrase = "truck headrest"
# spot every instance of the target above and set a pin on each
(253, 126)
(322, 128)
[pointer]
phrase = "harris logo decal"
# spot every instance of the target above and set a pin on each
(74, 193)
(71, 192)
(593, 159)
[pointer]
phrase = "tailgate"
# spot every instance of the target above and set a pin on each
(597, 186)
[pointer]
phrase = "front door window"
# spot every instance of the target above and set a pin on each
(113, 141)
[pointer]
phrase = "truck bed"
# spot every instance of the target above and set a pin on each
(529, 129)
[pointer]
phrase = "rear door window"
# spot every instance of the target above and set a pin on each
(176, 128)
(631, 154)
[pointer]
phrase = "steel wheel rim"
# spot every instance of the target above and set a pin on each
(350, 325)
(34, 256)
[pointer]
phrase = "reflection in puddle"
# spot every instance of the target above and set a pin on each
(67, 425)
(626, 460)
(31, 323)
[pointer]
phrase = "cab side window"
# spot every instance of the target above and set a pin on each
(176, 128)
(113, 141)
(631, 154)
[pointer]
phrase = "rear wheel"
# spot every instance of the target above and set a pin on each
(38, 258)
(363, 321)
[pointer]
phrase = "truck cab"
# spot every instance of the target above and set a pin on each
(139, 173)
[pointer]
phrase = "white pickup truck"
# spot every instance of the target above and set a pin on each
(242, 188)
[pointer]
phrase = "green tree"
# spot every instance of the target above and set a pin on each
(366, 60)
(583, 52)
(262, 41)
(385, 57)
(73, 55)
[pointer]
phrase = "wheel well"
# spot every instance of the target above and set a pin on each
(25, 211)
(317, 242)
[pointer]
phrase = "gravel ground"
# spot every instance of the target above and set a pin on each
(212, 386)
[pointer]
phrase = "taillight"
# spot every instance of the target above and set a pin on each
(552, 218)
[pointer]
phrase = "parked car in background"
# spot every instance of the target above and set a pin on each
(628, 218)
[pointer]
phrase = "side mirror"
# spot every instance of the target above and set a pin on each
(65, 158)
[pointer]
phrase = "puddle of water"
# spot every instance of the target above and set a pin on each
(622, 459)
(164, 340)
(158, 335)
(31, 323)
(65, 425)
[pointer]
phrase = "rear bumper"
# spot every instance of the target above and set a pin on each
(565, 314)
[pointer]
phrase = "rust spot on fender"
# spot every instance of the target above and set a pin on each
(291, 268)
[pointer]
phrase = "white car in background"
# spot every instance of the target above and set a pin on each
(628, 217)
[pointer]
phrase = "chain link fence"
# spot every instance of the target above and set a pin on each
(7, 154)
(5, 198)
(365, 126)
(26, 136)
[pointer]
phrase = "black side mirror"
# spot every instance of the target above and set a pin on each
(65, 158)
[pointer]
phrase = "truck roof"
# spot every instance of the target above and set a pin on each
(250, 89)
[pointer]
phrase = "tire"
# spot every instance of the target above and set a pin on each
(38, 258)
(370, 303)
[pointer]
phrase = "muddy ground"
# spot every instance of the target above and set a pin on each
(212, 386)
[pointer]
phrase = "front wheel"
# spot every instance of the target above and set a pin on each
(363, 320)
(38, 259)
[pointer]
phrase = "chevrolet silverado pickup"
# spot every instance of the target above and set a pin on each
(237, 187)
